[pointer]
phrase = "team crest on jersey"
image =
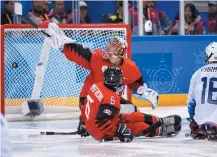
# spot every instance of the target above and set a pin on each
(107, 111)
(104, 68)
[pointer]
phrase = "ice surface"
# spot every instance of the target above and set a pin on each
(27, 141)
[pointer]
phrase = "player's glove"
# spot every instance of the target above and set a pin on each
(124, 133)
(196, 131)
(194, 127)
(58, 37)
(82, 131)
(145, 93)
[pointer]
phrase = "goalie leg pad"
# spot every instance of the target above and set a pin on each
(127, 106)
(32, 107)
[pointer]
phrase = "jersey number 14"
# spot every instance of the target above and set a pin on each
(211, 90)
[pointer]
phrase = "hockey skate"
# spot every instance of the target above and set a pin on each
(169, 130)
(172, 120)
(210, 131)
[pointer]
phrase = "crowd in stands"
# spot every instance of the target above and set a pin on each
(156, 22)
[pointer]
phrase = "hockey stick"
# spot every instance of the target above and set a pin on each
(58, 133)
(18, 12)
(35, 99)
(148, 130)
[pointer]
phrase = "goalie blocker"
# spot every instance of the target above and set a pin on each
(32, 107)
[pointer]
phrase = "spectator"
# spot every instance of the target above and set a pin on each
(174, 30)
(130, 4)
(37, 14)
(73, 15)
(46, 7)
(164, 19)
(212, 17)
(58, 15)
(117, 17)
(7, 16)
(84, 17)
(119, 3)
(150, 19)
(193, 23)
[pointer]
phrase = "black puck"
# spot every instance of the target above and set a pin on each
(14, 65)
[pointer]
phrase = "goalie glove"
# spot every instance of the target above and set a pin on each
(145, 93)
(58, 38)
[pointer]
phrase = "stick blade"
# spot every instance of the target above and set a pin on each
(18, 8)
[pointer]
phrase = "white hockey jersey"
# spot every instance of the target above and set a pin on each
(202, 95)
(5, 138)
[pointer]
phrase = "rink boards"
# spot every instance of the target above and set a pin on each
(168, 63)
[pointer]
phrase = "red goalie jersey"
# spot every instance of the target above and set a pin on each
(101, 104)
(95, 62)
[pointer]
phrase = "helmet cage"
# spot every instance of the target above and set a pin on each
(115, 48)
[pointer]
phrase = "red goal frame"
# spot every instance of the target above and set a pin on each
(23, 26)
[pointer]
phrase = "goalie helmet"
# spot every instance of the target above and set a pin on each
(113, 77)
(115, 48)
(211, 52)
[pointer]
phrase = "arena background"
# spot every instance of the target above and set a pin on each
(169, 7)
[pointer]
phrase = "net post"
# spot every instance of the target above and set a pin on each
(2, 86)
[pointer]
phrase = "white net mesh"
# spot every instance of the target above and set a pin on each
(63, 79)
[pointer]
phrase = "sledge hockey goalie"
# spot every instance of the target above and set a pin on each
(202, 98)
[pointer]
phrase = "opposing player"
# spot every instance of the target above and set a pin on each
(202, 97)
(104, 121)
(97, 60)
(6, 150)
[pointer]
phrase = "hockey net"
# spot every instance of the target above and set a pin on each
(21, 50)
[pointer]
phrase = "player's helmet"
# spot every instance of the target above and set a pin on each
(211, 52)
(113, 77)
(116, 47)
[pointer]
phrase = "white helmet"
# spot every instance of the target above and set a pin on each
(211, 52)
